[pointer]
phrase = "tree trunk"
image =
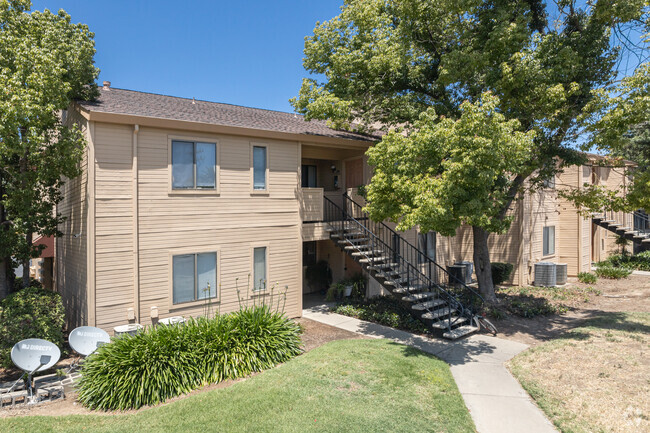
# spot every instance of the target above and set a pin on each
(482, 264)
(4, 281)
(26, 280)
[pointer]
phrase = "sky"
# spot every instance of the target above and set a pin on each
(243, 52)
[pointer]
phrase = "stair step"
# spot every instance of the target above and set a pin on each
(347, 235)
(623, 229)
(383, 266)
(460, 332)
(357, 247)
(396, 281)
(365, 253)
(387, 274)
(646, 241)
(429, 304)
(374, 259)
(436, 314)
(410, 289)
(418, 297)
(353, 241)
(443, 323)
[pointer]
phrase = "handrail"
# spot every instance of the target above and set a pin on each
(641, 219)
(337, 218)
(421, 254)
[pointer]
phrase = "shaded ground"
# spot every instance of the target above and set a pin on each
(352, 386)
(631, 294)
(594, 378)
(315, 334)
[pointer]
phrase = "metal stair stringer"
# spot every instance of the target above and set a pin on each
(403, 270)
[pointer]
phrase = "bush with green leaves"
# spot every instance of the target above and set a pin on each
(612, 272)
(384, 310)
(640, 261)
(31, 312)
(501, 272)
(587, 278)
(166, 361)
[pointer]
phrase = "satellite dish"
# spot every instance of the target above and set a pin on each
(34, 354)
(86, 339)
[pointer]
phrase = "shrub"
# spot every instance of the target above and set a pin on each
(639, 261)
(587, 277)
(384, 310)
(167, 361)
(32, 312)
(612, 273)
(501, 272)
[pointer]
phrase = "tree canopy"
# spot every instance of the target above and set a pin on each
(431, 71)
(45, 62)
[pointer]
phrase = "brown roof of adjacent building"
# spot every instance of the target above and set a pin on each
(131, 102)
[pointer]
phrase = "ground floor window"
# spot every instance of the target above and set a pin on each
(548, 240)
(259, 268)
(194, 277)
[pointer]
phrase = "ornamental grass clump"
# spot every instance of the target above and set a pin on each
(167, 361)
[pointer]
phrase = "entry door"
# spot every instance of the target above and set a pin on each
(353, 173)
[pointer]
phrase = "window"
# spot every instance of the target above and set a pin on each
(259, 167)
(259, 268)
(548, 240)
(194, 165)
(427, 244)
(549, 183)
(195, 277)
(308, 176)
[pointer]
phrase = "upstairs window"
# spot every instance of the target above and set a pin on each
(194, 165)
(259, 168)
(548, 240)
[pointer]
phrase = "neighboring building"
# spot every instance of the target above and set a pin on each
(177, 195)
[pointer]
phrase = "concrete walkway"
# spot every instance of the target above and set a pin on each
(494, 398)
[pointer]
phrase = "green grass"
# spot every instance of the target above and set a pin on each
(347, 385)
(593, 378)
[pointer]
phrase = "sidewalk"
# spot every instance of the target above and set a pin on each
(494, 398)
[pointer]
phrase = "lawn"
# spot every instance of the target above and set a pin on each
(346, 385)
(595, 378)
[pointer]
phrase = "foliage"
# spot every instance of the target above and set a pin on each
(481, 100)
(587, 278)
(319, 275)
(328, 389)
(640, 261)
(604, 270)
(45, 62)
(501, 272)
(167, 361)
(32, 312)
(384, 310)
(530, 302)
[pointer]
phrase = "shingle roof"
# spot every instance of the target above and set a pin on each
(131, 102)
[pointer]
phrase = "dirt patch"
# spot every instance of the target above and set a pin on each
(609, 390)
(315, 334)
(631, 294)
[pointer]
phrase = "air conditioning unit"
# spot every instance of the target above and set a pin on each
(457, 275)
(561, 273)
(469, 269)
(545, 274)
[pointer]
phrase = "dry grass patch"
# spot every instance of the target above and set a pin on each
(595, 378)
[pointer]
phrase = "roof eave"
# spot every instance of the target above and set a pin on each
(159, 122)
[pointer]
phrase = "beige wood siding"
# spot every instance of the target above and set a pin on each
(72, 248)
(234, 221)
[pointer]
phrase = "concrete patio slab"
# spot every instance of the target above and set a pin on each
(496, 401)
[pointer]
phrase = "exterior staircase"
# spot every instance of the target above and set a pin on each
(637, 232)
(430, 293)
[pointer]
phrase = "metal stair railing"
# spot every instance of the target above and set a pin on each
(641, 222)
(384, 245)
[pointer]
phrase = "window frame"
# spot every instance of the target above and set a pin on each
(194, 190)
(197, 302)
(254, 191)
(549, 253)
(266, 267)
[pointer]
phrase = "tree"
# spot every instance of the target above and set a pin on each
(395, 63)
(45, 62)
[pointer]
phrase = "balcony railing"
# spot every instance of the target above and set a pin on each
(311, 204)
